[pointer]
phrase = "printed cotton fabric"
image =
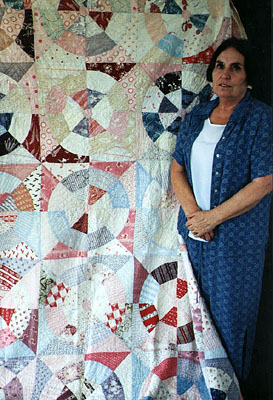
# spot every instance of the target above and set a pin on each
(97, 299)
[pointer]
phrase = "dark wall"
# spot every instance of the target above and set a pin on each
(257, 20)
(256, 16)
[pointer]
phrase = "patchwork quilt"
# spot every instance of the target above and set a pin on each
(97, 296)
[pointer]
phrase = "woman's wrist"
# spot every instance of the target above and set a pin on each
(216, 216)
(190, 211)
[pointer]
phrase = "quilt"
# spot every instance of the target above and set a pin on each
(97, 296)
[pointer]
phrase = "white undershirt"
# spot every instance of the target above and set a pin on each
(202, 153)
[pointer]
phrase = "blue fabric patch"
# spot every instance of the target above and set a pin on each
(5, 121)
(174, 127)
(167, 106)
(187, 97)
(171, 8)
(172, 45)
(82, 128)
(217, 394)
(93, 97)
(202, 388)
(112, 388)
(152, 125)
(199, 20)
(16, 4)
(183, 384)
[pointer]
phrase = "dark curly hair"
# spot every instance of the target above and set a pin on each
(243, 47)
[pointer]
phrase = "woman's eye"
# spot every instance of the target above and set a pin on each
(236, 67)
(219, 66)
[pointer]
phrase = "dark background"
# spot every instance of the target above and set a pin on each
(256, 16)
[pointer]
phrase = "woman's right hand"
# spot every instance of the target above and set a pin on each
(185, 195)
(208, 236)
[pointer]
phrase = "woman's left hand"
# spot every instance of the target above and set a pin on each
(201, 222)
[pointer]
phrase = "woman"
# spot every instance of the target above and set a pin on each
(222, 176)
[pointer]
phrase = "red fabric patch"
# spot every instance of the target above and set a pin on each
(101, 18)
(182, 288)
(171, 317)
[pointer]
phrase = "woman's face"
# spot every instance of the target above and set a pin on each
(229, 79)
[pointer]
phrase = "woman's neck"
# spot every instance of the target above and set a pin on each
(226, 106)
(220, 115)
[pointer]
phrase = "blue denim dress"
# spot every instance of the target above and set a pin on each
(230, 267)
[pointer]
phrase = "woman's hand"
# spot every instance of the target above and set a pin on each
(202, 223)
(208, 236)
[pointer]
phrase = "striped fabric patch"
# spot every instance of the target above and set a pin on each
(165, 272)
(149, 316)
(185, 334)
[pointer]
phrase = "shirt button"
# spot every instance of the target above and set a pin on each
(223, 138)
(218, 155)
(216, 173)
(215, 191)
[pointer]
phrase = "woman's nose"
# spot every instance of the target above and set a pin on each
(226, 73)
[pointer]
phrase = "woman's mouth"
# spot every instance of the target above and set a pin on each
(224, 85)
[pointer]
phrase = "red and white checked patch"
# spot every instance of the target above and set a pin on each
(56, 295)
(115, 317)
